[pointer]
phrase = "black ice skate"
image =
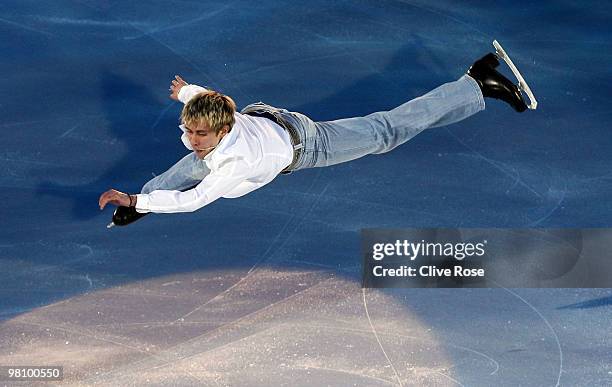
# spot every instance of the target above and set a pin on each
(495, 85)
(124, 216)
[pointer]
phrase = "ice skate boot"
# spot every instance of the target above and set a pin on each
(495, 85)
(124, 216)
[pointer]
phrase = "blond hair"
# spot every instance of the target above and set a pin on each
(209, 107)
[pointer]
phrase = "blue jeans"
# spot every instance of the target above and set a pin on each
(332, 142)
(186, 173)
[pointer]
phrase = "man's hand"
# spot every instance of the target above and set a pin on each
(175, 87)
(117, 198)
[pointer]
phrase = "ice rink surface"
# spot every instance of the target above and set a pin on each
(265, 289)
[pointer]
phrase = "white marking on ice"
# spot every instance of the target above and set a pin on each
(203, 16)
(395, 334)
(365, 306)
(547, 324)
(69, 131)
(444, 15)
(159, 117)
(88, 22)
(25, 27)
(551, 211)
(497, 165)
(89, 280)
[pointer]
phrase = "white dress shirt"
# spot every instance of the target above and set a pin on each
(250, 156)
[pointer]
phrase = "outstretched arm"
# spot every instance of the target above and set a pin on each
(217, 184)
(186, 173)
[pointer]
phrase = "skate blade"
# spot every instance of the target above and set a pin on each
(522, 85)
(111, 224)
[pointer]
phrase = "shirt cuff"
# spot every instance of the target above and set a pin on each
(142, 203)
(187, 92)
(181, 94)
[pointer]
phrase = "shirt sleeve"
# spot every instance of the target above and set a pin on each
(218, 183)
(187, 92)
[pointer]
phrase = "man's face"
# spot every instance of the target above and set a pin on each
(203, 139)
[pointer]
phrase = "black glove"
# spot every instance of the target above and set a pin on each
(125, 215)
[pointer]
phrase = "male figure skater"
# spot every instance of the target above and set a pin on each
(235, 153)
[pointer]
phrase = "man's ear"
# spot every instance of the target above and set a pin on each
(225, 129)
